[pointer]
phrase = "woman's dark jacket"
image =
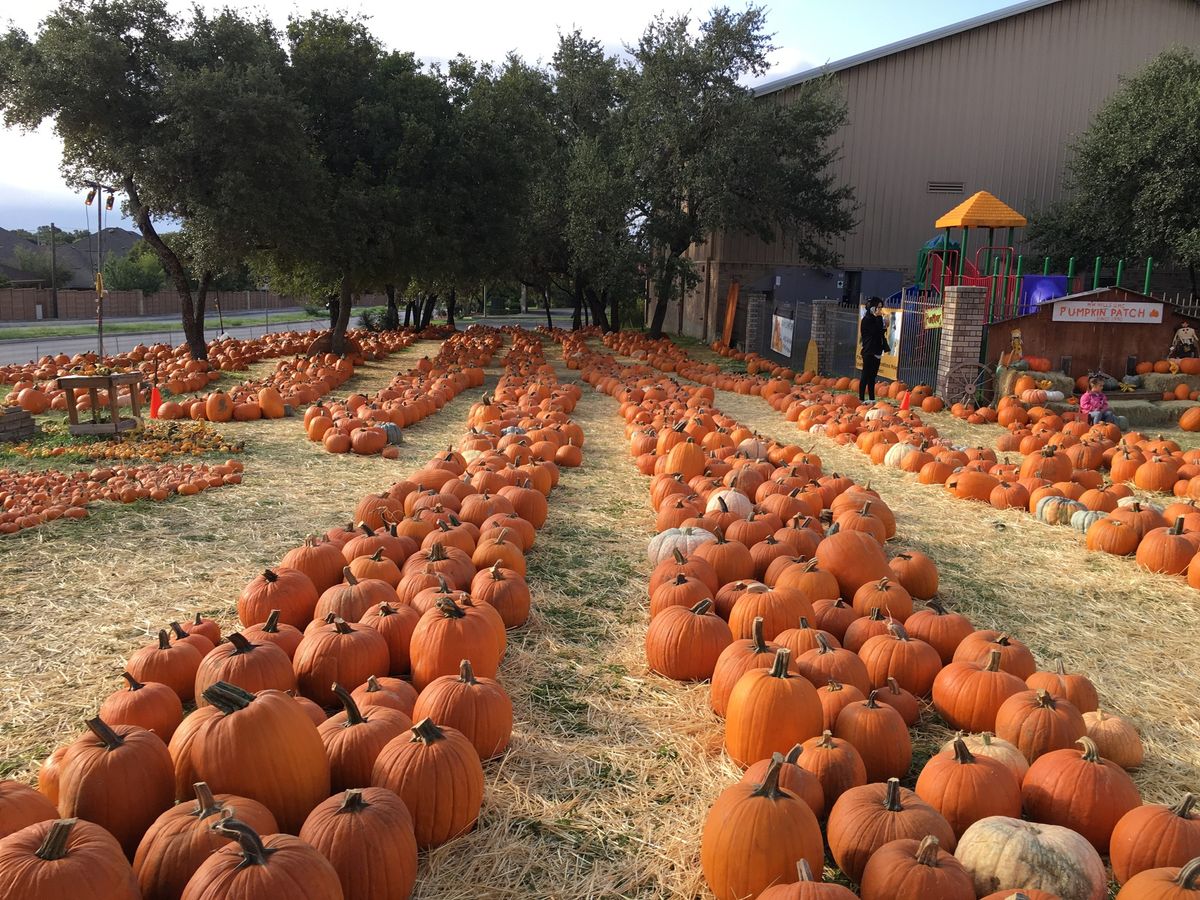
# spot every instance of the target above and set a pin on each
(874, 336)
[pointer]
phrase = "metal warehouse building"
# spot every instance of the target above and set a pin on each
(992, 103)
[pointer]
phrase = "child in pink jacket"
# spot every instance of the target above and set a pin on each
(1094, 404)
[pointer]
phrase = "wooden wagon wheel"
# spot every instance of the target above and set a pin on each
(971, 383)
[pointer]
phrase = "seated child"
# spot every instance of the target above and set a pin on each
(1094, 404)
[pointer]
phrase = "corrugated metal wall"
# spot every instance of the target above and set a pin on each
(995, 108)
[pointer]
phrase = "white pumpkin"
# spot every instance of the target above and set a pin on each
(734, 501)
(896, 454)
(685, 540)
(1006, 854)
(873, 414)
(754, 448)
(1131, 501)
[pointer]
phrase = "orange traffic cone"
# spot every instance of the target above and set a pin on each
(905, 399)
(155, 401)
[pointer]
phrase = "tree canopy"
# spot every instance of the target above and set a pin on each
(1134, 175)
(330, 165)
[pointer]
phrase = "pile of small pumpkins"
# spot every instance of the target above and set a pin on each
(30, 499)
(153, 442)
(344, 727)
(772, 581)
(372, 425)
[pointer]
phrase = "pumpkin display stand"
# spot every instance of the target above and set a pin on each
(93, 384)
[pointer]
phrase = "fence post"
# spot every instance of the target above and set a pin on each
(963, 324)
(821, 333)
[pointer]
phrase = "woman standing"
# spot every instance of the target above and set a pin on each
(873, 337)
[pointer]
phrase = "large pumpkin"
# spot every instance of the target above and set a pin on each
(807, 888)
(1168, 883)
(65, 858)
(965, 788)
(478, 707)
(1007, 853)
(354, 738)
(770, 710)
(684, 644)
(853, 558)
(753, 836)
(1154, 837)
(909, 869)
(338, 653)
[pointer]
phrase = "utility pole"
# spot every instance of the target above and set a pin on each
(53, 273)
(97, 189)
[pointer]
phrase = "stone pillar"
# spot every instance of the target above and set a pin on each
(756, 306)
(964, 314)
(821, 333)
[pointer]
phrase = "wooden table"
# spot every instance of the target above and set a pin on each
(94, 383)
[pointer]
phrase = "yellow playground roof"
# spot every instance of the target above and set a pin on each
(982, 210)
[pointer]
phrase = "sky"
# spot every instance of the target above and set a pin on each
(807, 33)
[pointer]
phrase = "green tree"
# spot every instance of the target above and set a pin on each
(707, 156)
(42, 234)
(1134, 175)
(40, 264)
(189, 119)
(138, 270)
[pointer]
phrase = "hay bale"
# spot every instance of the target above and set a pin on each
(1006, 378)
(1160, 383)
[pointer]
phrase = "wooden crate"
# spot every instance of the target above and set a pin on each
(16, 425)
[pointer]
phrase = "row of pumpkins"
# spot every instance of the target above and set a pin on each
(397, 620)
(32, 498)
(371, 425)
(817, 661)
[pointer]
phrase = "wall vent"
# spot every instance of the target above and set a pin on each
(943, 187)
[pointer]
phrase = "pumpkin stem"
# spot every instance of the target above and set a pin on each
(206, 803)
(1091, 753)
(756, 635)
(834, 685)
(927, 851)
(373, 684)
(994, 661)
(962, 753)
(937, 606)
(1044, 700)
(891, 800)
(197, 620)
(353, 801)
(498, 575)
(354, 715)
(348, 576)
(876, 614)
(226, 697)
(270, 576)
(779, 668)
(177, 630)
(240, 644)
(271, 626)
(804, 623)
(55, 844)
(426, 732)
(367, 529)
(871, 702)
(1189, 876)
(702, 607)
(1061, 670)
(164, 641)
(254, 852)
(465, 673)
(794, 754)
(450, 609)
(893, 686)
(804, 871)
(386, 610)
(823, 643)
(1183, 808)
(898, 631)
(1003, 641)
(770, 783)
(134, 684)
(377, 556)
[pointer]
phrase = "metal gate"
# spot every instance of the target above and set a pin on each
(920, 337)
(786, 331)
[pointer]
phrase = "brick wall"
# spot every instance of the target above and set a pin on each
(963, 315)
(823, 334)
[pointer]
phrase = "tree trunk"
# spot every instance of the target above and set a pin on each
(392, 320)
(337, 339)
(546, 301)
(577, 314)
(524, 297)
(614, 312)
(332, 302)
(427, 313)
(596, 307)
(408, 312)
(191, 315)
(666, 281)
(451, 305)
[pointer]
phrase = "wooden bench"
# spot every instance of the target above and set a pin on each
(93, 384)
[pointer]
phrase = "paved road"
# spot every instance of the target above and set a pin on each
(25, 350)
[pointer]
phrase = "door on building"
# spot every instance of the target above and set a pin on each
(853, 287)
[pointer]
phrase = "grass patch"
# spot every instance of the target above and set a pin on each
(212, 324)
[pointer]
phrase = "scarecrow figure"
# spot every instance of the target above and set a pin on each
(1015, 350)
(1183, 345)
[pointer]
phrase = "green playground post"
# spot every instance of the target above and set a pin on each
(1017, 286)
(1046, 266)
(1096, 275)
(993, 274)
(987, 262)
(962, 251)
(1149, 267)
(1070, 272)
(1120, 270)
(945, 257)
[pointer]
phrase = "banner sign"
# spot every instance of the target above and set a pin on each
(781, 335)
(893, 319)
(1108, 312)
(933, 318)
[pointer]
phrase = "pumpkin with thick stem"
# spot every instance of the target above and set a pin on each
(684, 644)
(197, 639)
(396, 623)
(172, 664)
(437, 773)
(807, 888)
(753, 835)
(969, 694)
(965, 788)
(21, 806)
(878, 732)
(120, 777)
(792, 777)
(1169, 883)
(65, 858)
(263, 747)
(505, 590)
(770, 710)
(288, 590)
(367, 834)
(802, 637)
(836, 663)
(478, 707)
(853, 558)
(394, 693)
(835, 763)
(319, 559)
(1079, 790)
(1000, 851)
(181, 839)
(285, 637)
(1036, 722)
(987, 744)
(911, 869)
(351, 598)
(779, 608)
(835, 697)
(375, 567)
(735, 660)
(1078, 689)
(1015, 657)
(1116, 738)
(835, 616)
(257, 868)
(910, 662)
(865, 818)
(252, 667)
(1154, 837)
(941, 629)
(901, 700)
(682, 590)
(677, 563)
(152, 706)
(916, 572)
(886, 595)
(354, 738)
(338, 653)
(450, 632)
(866, 627)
